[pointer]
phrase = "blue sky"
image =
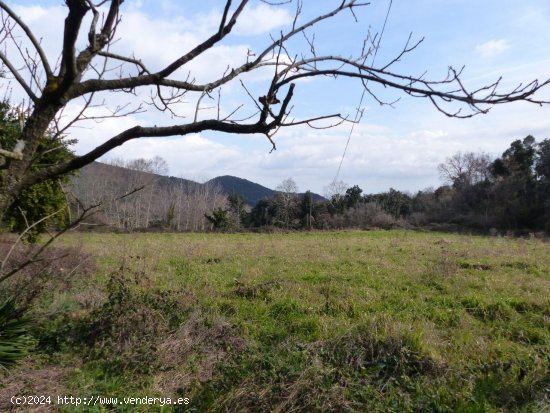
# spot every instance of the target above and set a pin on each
(392, 147)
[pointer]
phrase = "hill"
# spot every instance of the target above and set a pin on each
(118, 180)
(251, 191)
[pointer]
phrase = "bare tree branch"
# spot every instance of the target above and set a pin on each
(136, 62)
(77, 11)
(198, 50)
(31, 37)
(18, 77)
(159, 78)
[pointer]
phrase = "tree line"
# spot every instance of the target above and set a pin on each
(509, 193)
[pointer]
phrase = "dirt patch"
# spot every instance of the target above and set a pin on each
(28, 380)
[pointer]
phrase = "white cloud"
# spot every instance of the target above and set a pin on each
(493, 48)
(188, 156)
(261, 19)
(378, 156)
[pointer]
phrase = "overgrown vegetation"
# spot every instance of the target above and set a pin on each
(376, 321)
(55, 270)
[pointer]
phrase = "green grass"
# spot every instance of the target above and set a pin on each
(373, 321)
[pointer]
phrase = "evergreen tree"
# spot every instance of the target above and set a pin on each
(219, 219)
(353, 196)
(514, 194)
(238, 210)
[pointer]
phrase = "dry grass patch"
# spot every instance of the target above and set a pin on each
(29, 380)
(191, 354)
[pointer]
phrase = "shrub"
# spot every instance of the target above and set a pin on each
(121, 333)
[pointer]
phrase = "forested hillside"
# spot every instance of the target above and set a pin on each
(250, 191)
(133, 195)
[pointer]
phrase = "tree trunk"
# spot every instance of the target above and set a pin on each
(13, 176)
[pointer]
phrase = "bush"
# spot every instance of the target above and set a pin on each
(372, 215)
(123, 332)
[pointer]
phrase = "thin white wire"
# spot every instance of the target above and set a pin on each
(359, 113)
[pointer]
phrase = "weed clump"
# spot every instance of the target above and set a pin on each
(122, 333)
(521, 265)
(250, 291)
(513, 382)
(379, 356)
(475, 266)
(190, 355)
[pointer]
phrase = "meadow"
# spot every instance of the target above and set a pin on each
(354, 321)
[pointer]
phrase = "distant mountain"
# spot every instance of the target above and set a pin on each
(250, 191)
(99, 179)
(138, 200)
(122, 178)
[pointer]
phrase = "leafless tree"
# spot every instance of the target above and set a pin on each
(287, 200)
(89, 74)
(288, 186)
(152, 168)
(336, 189)
(158, 198)
(465, 168)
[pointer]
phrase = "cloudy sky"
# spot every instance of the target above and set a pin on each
(397, 147)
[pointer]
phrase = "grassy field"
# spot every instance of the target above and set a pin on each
(378, 321)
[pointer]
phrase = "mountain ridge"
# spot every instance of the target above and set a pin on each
(252, 192)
